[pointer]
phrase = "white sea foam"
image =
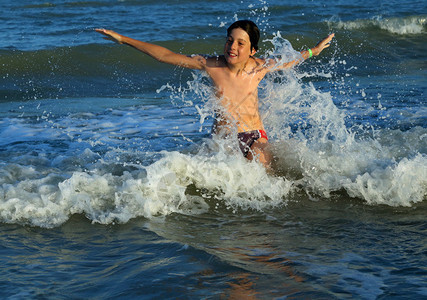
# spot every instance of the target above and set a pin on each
(158, 189)
(396, 25)
(316, 144)
(400, 185)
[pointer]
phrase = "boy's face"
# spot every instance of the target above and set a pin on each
(237, 48)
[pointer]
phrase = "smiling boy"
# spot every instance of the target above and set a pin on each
(235, 75)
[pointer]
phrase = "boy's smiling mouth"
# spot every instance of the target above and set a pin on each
(231, 54)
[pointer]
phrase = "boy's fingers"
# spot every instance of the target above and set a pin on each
(327, 41)
(330, 37)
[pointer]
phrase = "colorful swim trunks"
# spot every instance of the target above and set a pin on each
(247, 138)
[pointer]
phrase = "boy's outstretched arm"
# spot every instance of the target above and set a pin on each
(325, 43)
(306, 54)
(157, 52)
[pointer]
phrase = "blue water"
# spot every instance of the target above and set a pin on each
(112, 187)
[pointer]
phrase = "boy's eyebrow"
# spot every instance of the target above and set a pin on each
(241, 40)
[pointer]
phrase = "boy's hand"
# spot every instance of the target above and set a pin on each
(325, 43)
(110, 35)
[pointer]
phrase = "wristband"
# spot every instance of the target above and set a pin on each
(310, 52)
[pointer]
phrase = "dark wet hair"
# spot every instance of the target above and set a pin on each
(250, 28)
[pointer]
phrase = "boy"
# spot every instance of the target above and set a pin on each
(236, 75)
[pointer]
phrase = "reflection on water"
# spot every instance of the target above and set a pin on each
(307, 248)
(327, 249)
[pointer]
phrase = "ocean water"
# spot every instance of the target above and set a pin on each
(111, 185)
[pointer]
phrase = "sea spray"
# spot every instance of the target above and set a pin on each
(314, 143)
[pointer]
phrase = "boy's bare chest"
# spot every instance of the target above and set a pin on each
(229, 85)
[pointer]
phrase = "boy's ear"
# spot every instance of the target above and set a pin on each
(253, 52)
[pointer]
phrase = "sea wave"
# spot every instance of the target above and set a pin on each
(92, 164)
(176, 183)
(410, 25)
(87, 70)
(68, 159)
(111, 192)
(83, 60)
